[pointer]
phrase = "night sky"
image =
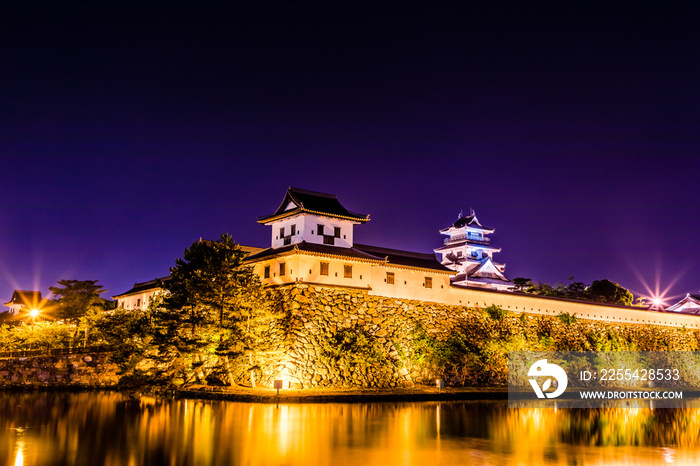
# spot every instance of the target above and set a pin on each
(127, 133)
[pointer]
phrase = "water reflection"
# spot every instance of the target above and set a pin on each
(92, 428)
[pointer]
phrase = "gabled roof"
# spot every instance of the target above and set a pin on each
(298, 201)
(25, 298)
(463, 279)
(145, 286)
(689, 298)
(470, 221)
(487, 267)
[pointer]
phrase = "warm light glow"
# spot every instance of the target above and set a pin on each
(34, 312)
(657, 297)
(19, 459)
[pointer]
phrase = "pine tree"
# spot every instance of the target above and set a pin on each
(216, 312)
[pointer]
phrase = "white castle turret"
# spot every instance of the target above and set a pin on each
(467, 250)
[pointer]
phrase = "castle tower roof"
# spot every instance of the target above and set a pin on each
(469, 221)
(298, 201)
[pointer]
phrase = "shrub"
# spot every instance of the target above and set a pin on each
(496, 313)
(567, 319)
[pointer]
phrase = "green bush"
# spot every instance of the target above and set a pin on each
(476, 352)
(356, 357)
(567, 319)
(496, 313)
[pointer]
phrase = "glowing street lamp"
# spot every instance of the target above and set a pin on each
(657, 303)
(440, 384)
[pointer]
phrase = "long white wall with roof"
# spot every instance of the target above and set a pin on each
(411, 283)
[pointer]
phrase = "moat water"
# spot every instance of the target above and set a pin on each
(105, 429)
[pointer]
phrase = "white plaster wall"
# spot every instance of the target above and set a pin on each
(307, 268)
(306, 226)
(408, 284)
(132, 301)
(277, 241)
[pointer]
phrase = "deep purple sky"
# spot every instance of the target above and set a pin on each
(126, 133)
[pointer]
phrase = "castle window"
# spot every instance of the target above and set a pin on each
(267, 271)
(282, 268)
(428, 282)
(282, 232)
(390, 278)
(287, 240)
(294, 230)
(324, 268)
(328, 239)
(319, 230)
(138, 302)
(348, 271)
(336, 232)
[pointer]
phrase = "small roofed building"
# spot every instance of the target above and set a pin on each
(312, 241)
(468, 251)
(23, 300)
(688, 305)
(141, 294)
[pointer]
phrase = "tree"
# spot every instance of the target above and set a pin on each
(215, 310)
(521, 283)
(79, 302)
(129, 334)
(575, 290)
(605, 291)
(74, 298)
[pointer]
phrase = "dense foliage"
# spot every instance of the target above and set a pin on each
(214, 323)
(77, 298)
(357, 357)
(475, 354)
(601, 291)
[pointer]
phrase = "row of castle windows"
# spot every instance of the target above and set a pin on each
(347, 273)
(327, 239)
(474, 254)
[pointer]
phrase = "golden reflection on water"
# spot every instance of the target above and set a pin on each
(104, 428)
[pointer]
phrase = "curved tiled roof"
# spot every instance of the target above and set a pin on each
(468, 221)
(305, 201)
(25, 298)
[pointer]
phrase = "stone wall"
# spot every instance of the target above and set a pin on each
(324, 318)
(325, 322)
(72, 370)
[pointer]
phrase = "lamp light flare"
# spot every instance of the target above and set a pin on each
(657, 298)
(34, 312)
